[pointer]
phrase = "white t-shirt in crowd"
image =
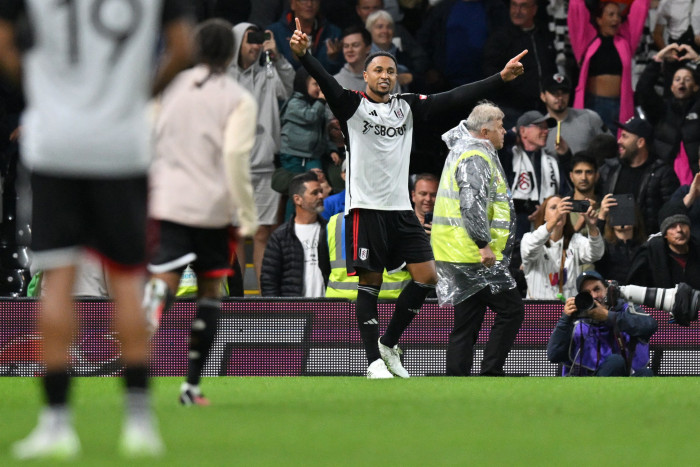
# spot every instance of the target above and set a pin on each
(313, 278)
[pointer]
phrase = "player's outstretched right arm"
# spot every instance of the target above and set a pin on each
(332, 90)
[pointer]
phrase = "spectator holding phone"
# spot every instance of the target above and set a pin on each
(269, 83)
(638, 172)
(622, 240)
(583, 176)
(553, 254)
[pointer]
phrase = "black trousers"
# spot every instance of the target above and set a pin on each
(469, 315)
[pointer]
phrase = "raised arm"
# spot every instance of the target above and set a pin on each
(634, 26)
(466, 95)
(581, 31)
(332, 90)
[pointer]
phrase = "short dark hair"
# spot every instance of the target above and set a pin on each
(381, 53)
(603, 146)
(357, 29)
(428, 177)
(693, 69)
(214, 44)
(297, 187)
(583, 157)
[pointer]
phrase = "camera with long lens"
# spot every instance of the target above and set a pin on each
(682, 302)
(584, 304)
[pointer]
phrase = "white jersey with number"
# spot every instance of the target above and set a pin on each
(87, 80)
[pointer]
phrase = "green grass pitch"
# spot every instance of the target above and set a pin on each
(421, 421)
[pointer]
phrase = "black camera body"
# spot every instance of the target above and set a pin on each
(584, 303)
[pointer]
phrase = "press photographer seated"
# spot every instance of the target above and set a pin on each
(600, 334)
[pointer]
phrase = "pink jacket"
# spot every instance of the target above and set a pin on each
(585, 43)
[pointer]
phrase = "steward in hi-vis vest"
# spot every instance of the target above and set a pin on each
(340, 285)
(479, 214)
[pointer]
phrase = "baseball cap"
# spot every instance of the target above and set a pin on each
(638, 126)
(556, 82)
(588, 275)
(533, 117)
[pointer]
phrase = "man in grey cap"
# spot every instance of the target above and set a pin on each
(576, 127)
(670, 256)
(532, 171)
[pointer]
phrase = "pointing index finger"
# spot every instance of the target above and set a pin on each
(297, 23)
(520, 55)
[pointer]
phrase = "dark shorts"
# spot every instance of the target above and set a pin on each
(208, 251)
(375, 240)
(103, 214)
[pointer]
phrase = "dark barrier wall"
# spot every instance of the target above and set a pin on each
(292, 338)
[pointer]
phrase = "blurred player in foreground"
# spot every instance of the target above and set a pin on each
(200, 179)
(85, 142)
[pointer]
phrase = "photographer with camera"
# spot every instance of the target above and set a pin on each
(599, 334)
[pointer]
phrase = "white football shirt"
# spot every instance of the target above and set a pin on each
(87, 80)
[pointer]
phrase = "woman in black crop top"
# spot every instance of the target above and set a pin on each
(604, 47)
(605, 68)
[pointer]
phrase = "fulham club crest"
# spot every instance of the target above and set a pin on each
(398, 113)
(364, 254)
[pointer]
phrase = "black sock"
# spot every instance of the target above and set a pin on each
(202, 333)
(136, 377)
(136, 382)
(56, 387)
(407, 307)
(367, 319)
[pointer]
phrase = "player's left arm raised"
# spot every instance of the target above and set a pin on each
(435, 106)
(513, 68)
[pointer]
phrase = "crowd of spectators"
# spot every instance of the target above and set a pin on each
(580, 127)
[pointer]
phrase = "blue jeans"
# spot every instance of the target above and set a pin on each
(607, 107)
(614, 365)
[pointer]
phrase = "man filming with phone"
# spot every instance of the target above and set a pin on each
(600, 334)
(583, 176)
(639, 172)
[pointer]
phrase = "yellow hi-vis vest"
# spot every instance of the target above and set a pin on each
(340, 285)
(187, 288)
(450, 240)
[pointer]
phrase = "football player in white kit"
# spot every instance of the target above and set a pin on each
(87, 74)
(382, 231)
